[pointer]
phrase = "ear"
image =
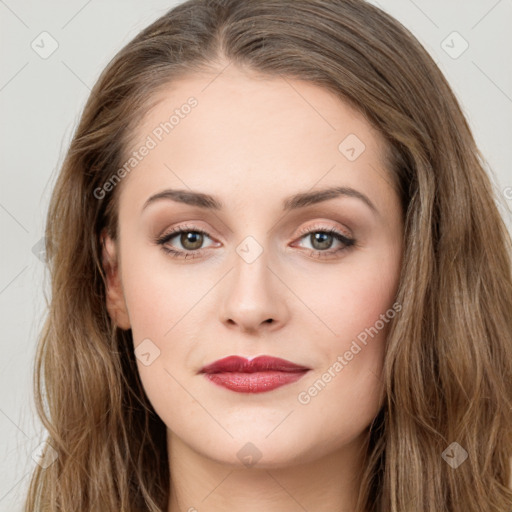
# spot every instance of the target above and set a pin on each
(116, 305)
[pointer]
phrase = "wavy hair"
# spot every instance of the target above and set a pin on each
(448, 362)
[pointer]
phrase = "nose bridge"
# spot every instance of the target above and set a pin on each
(251, 267)
(253, 294)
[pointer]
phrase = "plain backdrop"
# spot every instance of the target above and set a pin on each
(41, 97)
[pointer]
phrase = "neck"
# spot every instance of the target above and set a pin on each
(329, 483)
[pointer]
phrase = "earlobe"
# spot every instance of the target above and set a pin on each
(116, 305)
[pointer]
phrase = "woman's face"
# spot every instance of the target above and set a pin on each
(256, 283)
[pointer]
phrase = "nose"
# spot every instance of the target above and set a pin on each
(253, 297)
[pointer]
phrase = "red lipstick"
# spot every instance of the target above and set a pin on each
(264, 373)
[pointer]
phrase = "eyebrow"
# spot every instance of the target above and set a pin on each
(294, 202)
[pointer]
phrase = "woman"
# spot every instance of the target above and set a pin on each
(280, 280)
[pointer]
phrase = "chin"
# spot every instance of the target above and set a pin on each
(252, 450)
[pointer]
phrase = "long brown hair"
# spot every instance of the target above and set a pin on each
(448, 364)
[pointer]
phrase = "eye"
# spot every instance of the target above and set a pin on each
(322, 240)
(191, 239)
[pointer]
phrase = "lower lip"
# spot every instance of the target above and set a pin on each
(257, 382)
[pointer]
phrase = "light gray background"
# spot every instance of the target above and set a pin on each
(40, 101)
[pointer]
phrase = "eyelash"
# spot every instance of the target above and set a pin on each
(348, 242)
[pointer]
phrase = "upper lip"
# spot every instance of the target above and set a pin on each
(258, 364)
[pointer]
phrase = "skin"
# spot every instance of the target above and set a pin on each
(252, 142)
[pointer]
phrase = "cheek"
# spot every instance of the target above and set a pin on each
(160, 299)
(355, 309)
(352, 298)
(156, 294)
(346, 389)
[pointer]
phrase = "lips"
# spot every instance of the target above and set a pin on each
(258, 364)
(264, 373)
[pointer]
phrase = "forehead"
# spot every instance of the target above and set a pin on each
(254, 133)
